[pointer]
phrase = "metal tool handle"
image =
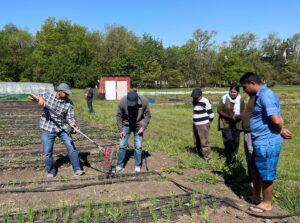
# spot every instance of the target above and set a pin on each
(68, 123)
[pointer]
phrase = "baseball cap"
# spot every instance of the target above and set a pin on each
(196, 92)
(65, 88)
(132, 98)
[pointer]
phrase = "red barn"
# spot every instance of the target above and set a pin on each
(114, 86)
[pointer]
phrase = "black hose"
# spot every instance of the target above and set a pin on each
(231, 204)
(109, 180)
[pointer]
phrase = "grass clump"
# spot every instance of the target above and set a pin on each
(205, 177)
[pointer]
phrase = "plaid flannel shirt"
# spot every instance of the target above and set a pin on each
(49, 121)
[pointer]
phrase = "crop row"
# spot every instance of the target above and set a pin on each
(73, 183)
(148, 209)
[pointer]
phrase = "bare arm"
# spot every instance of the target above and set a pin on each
(277, 123)
(40, 99)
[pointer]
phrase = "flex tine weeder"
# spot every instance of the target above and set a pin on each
(106, 152)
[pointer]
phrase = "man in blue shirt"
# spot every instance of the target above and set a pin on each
(267, 130)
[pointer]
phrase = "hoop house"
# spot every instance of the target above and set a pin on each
(20, 90)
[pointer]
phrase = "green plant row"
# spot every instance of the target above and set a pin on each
(152, 208)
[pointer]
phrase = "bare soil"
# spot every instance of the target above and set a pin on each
(116, 191)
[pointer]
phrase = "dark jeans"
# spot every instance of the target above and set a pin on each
(90, 104)
(231, 140)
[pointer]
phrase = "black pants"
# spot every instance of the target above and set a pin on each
(90, 104)
(231, 140)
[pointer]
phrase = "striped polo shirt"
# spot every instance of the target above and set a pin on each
(202, 112)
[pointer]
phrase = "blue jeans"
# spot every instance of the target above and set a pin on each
(89, 102)
(48, 139)
(138, 140)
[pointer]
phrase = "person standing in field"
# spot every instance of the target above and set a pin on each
(53, 126)
(230, 109)
(247, 114)
(267, 130)
(89, 93)
(133, 116)
(202, 117)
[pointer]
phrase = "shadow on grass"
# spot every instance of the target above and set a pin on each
(219, 151)
(236, 179)
(233, 172)
(193, 149)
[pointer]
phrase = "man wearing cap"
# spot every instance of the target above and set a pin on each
(53, 126)
(202, 117)
(133, 115)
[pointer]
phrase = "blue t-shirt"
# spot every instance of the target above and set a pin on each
(266, 105)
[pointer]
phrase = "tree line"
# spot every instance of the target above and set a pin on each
(65, 52)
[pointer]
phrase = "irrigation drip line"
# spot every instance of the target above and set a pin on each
(78, 186)
(82, 178)
(38, 164)
(57, 147)
(231, 204)
(39, 158)
(182, 187)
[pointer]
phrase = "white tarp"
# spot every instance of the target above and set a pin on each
(25, 87)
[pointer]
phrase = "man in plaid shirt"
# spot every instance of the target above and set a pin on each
(53, 126)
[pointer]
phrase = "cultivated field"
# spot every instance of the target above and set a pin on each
(174, 185)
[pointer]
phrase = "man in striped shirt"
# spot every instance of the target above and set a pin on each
(202, 117)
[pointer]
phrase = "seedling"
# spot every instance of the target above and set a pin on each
(5, 217)
(167, 212)
(30, 215)
(114, 214)
(20, 217)
(137, 203)
(96, 215)
(61, 208)
(204, 213)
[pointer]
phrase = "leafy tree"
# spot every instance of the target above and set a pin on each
(294, 46)
(244, 43)
(15, 48)
(232, 64)
(148, 58)
(205, 59)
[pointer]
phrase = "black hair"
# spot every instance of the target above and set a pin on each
(250, 76)
(236, 87)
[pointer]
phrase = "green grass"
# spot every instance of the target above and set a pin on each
(170, 131)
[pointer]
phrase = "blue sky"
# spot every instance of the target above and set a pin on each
(171, 21)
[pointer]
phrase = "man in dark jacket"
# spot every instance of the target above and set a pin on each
(133, 115)
(89, 93)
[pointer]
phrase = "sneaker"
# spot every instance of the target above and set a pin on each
(119, 169)
(79, 173)
(50, 175)
(137, 169)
